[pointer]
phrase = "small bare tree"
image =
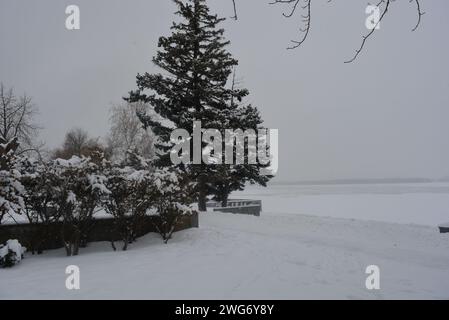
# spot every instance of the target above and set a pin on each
(77, 143)
(127, 132)
(17, 120)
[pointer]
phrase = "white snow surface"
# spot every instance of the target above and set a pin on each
(275, 256)
(311, 242)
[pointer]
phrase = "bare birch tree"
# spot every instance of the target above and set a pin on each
(127, 132)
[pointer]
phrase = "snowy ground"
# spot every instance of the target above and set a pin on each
(282, 254)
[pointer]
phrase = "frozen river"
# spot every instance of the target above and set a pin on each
(418, 203)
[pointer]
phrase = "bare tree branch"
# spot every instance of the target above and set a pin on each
(420, 13)
(235, 10)
(306, 19)
(294, 5)
(382, 15)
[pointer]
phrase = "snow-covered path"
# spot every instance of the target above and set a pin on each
(237, 257)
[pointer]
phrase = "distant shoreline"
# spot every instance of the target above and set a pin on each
(359, 181)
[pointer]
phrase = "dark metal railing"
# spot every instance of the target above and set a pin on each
(241, 206)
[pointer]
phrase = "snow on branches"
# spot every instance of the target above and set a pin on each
(127, 199)
(80, 187)
(172, 199)
(135, 191)
(11, 190)
(71, 191)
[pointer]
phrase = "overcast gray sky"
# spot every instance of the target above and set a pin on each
(386, 115)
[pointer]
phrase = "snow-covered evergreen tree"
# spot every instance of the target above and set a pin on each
(227, 178)
(194, 87)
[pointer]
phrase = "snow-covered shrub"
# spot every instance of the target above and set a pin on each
(11, 253)
(11, 190)
(171, 200)
(41, 189)
(79, 185)
(135, 189)
(127, 199)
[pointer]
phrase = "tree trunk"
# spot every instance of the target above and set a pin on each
(76, 248)
(68, 248)
(71, 241)
(202, 195)
(224, 201)
(125, 240)
(76, 242)
(224, 195)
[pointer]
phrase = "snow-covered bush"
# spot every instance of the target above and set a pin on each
(135, 189)
(11, 190)
(11, 253)
(171, 200)
(79, 185)
(69, 192)
(41, 189)
(127, 199)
